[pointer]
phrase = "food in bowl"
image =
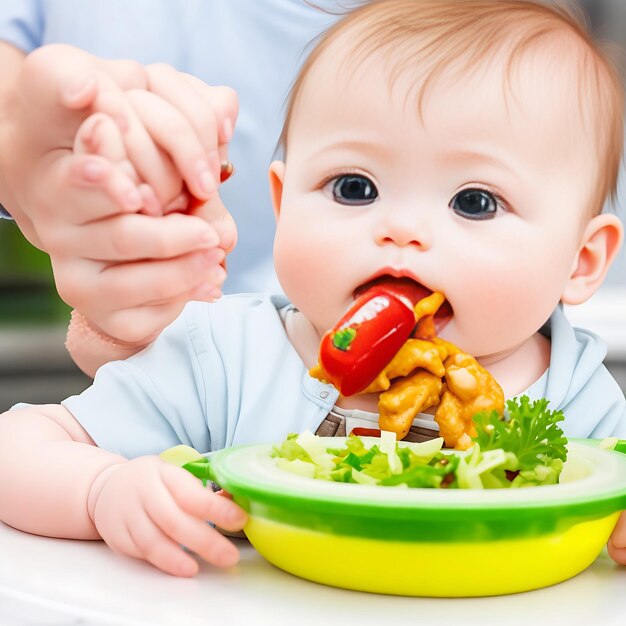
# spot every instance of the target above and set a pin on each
(528, 448)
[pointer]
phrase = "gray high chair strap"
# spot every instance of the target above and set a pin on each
(335, 426)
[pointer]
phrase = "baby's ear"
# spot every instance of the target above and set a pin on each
(600, 243)
(277, 176)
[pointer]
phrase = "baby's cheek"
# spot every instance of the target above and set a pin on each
(306, 264)
(500, 307)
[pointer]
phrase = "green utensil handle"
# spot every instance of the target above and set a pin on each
(201, 469)
(620, 446)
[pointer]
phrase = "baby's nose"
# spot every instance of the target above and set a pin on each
(404, 227)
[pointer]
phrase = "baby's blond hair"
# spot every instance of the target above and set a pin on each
(434, 34)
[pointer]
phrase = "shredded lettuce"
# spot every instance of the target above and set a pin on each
(526, 448)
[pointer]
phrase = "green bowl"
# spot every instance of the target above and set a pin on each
(427, 542)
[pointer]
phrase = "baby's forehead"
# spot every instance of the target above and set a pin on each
(526, 88)
(524, 66)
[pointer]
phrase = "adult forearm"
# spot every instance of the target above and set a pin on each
(46, 474)
(11, 60)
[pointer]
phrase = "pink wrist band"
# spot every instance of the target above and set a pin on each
(83, 339)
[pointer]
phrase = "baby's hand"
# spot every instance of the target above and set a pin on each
(617, 541)
(148, 509)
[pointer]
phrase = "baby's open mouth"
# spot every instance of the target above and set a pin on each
(411, 290)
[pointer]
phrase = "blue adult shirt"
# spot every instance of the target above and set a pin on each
(254, 46)
(225, 374)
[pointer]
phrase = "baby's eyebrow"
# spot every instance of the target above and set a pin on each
(375, 148)
(464, 157)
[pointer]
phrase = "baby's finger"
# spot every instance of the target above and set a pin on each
(100, 135)
(617, 543)
(617, 554)
(192, 532)
(153, 545)
(86, 173)
(153, 166)
(202, 503)
(89, 182)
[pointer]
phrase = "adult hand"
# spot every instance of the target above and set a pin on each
(97, 220)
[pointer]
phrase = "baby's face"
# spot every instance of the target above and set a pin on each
(482, 198)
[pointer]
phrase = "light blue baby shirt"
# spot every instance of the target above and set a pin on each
(222, 374)
(253, 46)
(225, 374)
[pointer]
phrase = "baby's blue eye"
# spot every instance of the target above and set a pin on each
(474, 204)
(354, 190)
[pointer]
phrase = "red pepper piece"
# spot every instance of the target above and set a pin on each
(365, 339)
(360, 431)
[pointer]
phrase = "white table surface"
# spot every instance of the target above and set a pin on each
(46, 582)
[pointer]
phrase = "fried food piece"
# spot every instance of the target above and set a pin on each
(414, 354)
(469, 389)
(405, 399)
(428, 305)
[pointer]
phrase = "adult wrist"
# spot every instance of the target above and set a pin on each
(90, 348)
(84, 331)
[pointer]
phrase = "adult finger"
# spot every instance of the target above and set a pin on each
(154, 281)
(120, 310)
(171, 86)
(123, 238)
(215, 213)
(174, 133)
(222, 100)
(126, 73)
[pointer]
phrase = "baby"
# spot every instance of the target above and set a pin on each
(465, 147)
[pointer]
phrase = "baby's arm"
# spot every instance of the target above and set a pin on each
(54, 481)
(617, 542)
